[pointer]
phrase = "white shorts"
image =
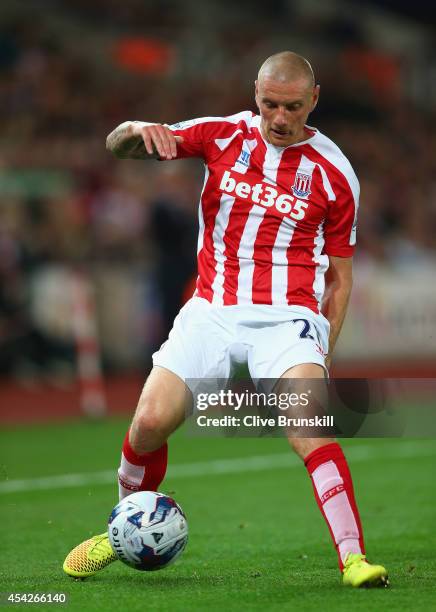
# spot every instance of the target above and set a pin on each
(209, 341)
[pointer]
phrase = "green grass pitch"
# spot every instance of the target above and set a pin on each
(257, 540)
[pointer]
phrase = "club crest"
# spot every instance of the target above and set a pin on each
(301, 186)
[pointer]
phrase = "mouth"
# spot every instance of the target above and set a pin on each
(279, 133)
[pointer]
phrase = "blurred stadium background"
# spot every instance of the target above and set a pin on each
(97, 255)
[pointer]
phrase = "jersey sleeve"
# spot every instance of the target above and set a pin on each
(199, 134)
(341, 222)
(194, 134)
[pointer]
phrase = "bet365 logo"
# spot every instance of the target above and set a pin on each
(265, 195)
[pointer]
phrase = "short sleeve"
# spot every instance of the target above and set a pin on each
(199, 134)
(341, 222)
(194, 134)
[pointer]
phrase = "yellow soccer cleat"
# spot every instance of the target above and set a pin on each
(89, 557)
(358, 572)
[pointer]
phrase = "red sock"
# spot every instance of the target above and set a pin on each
(334, 495)
(141, 472)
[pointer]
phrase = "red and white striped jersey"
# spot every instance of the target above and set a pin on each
(269, 216)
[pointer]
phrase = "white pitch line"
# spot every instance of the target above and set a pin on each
(257, 463)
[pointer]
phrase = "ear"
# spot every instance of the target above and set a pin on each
(315, 97)
(256, 92)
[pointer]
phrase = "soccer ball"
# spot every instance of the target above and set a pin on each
(147, 530)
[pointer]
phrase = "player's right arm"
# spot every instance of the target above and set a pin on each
(140, 140)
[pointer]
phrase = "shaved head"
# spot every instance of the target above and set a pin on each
(285, 94)
(287, 67)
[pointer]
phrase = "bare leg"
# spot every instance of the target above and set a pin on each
(162, 408)
(304, 446)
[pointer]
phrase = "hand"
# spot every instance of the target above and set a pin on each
(157, 138)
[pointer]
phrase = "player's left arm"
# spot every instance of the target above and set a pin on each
(339, 246)
(339, 281)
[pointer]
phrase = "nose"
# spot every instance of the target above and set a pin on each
(280, 117)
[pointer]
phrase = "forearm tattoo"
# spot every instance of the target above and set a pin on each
(123, 144)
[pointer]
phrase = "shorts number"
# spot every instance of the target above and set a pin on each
(306, 328)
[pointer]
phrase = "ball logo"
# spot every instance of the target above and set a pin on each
(265, 195)
(157, 537)
(114, 531)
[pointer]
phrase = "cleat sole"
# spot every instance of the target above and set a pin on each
(381, 582)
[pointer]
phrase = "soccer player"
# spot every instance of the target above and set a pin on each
(277, 221)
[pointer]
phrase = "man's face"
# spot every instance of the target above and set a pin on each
(284, 108)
